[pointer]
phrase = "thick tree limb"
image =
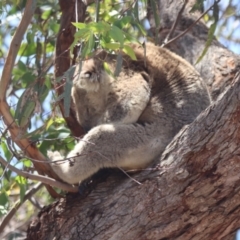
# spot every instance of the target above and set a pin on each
(218, 66)
(18, 204)
(194, 194)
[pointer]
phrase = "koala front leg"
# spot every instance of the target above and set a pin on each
(130, 146)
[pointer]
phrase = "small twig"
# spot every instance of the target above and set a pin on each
(7, 129)
(129, 176)
(76, 11)
(41, 178)
(51, 162)
(125, 10)
(35, 203)
(18, 204)
(190, 27)
(119, 168)
(97, 10)
(10, 147)
(5, 169)
(175, 23)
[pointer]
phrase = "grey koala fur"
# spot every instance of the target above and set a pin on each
(131, 118)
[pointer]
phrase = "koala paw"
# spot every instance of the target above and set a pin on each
(53, 156)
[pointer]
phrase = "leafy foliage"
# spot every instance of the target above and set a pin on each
(211, 30)
(114, 29)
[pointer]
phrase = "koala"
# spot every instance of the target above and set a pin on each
(99, 98)
(130, 118)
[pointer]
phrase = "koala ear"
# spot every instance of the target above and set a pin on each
(101, 55)
(146, 77)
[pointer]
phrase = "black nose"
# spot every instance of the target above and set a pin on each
(86, 128)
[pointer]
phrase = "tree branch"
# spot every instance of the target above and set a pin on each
(14, 47)
(43, 179)
(14, 129)
(194, 194)
(188, 29)
(174, 24)
(18, 204)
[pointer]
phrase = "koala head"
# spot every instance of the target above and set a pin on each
(90, 74)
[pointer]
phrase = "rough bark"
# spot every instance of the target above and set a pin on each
(218, 66)
(193, 193)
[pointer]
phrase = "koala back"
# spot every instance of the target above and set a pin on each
(159, 87)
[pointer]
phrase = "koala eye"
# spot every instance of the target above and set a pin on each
(86, 74)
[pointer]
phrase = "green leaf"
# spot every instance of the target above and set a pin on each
(99, 27)
(198, 6)
(49, 123)
(107, 69)
(208, 42)
(27, 78)
(83, 34)
(3, 210)
(91, 43)
(136, 11)
(123, 22)
(156, 17)
(26, 113)
(7, 153)
(211, 32)
(118, 64)
(79, 25)
(155, 13)
(67, 91)
(20, 180)
(87, 49)
(67, 98)
(3, 198)
(216, 12)
(129, 51)
(27, 162)
(142, 30)
(112, 45)
(117, 35)
(22, 191)
(46, 14)
(27, 49)
(48, 83)
(22, 66)
(29, 37)
(130, 38)
(54, 26)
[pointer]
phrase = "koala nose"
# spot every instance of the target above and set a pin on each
(86, 128)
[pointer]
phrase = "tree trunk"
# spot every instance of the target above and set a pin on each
(217, 67)
(193, 192)
(62, 57)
